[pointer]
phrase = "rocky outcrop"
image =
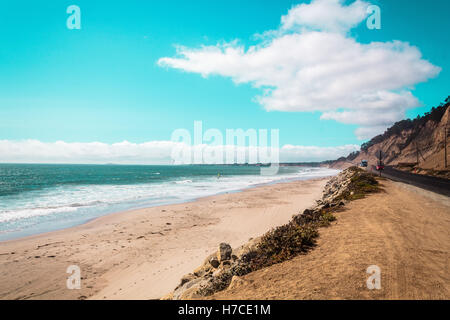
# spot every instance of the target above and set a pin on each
(225, 267)
(216, 273)
(419, 142)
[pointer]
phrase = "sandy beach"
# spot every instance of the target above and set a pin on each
(142, 254)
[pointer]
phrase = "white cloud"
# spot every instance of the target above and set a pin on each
(34, 151)
(153, 152)
(326, 15)
(364, 133)
(311, 64)
(290, 153)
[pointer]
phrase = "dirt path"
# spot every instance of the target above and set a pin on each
(405, 231)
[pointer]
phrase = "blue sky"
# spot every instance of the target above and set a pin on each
(103, 82)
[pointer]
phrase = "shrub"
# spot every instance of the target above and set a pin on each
(289, 240)
(361, 184)
(283, 243)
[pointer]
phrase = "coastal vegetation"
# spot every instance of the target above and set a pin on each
(282, 243)
(299, 235)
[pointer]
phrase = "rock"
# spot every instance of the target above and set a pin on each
(247, 247)
(224, 252)
(217, 273)
(214, 262)
(186, 278)
(205, 268)
(219, 282)
(191, 293)
(191, 286)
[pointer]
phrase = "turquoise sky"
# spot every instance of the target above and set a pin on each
(102, 83)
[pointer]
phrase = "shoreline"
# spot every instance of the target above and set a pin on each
(132, 208)
(142, 254)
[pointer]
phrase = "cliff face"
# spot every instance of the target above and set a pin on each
(417, 144)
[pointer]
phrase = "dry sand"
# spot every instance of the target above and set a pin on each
(405, 231)
(143, 254)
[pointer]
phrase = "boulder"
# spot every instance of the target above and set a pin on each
(224, 252)
(226, 264)
(214, 262)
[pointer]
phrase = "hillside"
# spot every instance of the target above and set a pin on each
(416, 145)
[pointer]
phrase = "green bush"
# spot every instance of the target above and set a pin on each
(284, 243)
(289, 240)
(361, 184)
(299, 235)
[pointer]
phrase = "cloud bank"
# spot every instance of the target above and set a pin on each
(153, 152)
(311, 63)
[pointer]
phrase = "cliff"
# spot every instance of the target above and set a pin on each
(416, 145)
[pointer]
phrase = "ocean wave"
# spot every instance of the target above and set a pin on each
(88, 204)
(183, 181)
(8, 216)
(81, 202)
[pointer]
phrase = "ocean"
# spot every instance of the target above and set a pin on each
(37, 198)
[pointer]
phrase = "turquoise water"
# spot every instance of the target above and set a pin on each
(39, 198)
